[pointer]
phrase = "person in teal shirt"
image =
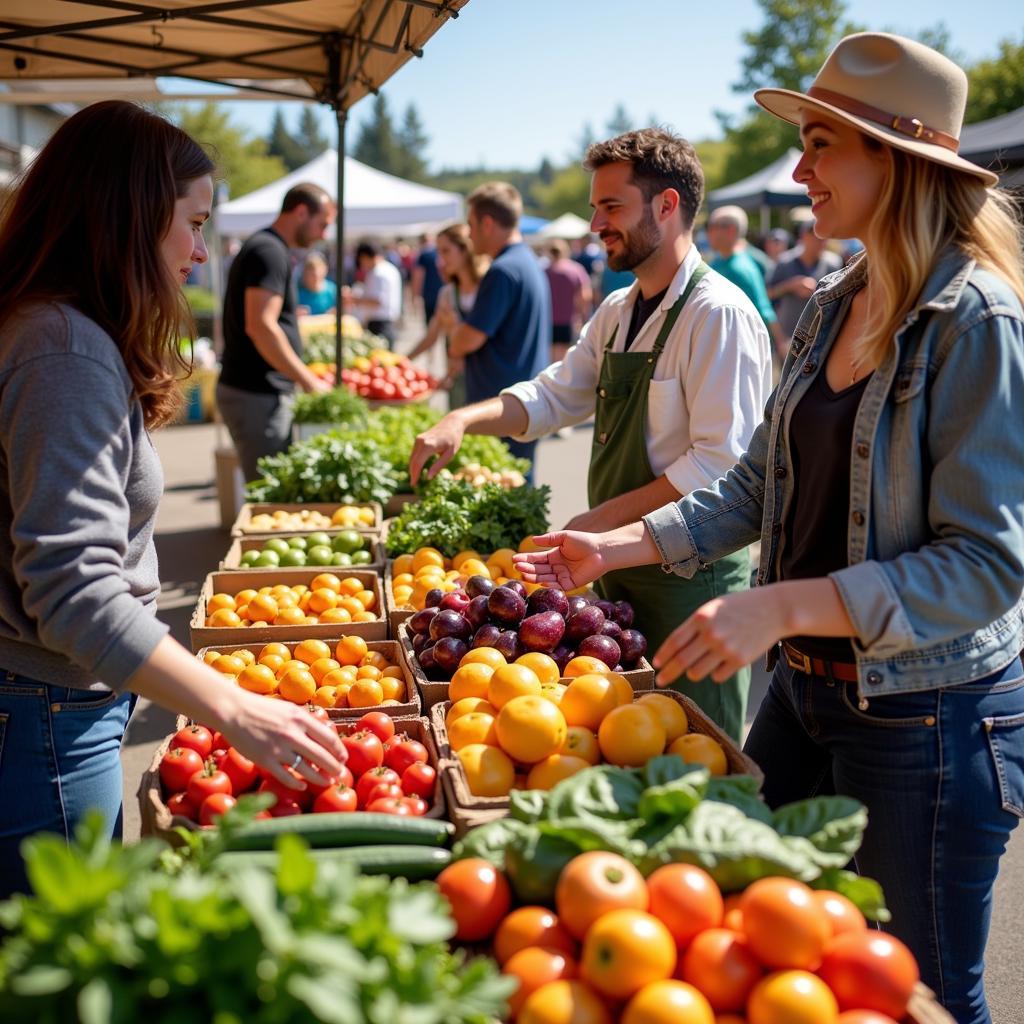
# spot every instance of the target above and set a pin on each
(316, 292)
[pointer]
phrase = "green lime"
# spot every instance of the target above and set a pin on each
(319, 554)
(268, 559)
(293, 556)
(341, 558)
(318, 539)
(348, 541)
(297, 542)
(250, 557)
(278, 544)
(362, 557)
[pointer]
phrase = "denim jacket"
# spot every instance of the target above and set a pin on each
(935, 543)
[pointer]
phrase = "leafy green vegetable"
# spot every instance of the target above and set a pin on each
(319, 347)
(490, 841)
(110, 938)
(339, 407)
(865, 892)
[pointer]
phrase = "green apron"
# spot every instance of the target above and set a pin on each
(619, 463)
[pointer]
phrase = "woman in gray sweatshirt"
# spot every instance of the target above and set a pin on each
(95, 245)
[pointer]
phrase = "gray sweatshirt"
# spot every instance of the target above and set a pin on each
(80, 482)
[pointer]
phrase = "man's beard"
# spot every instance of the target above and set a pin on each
(638, 244)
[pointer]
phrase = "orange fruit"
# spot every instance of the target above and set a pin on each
(351, 585)
(423, 557)
(534, 967)
(792, 997)
(326, 580)
(474, 567)
(393, 687)
(720, 963)
(624, 950)
(335, 615)
(470, 680)
(580, 742)
(224, 618)
(393, 672)
(583, 665)
(489, 771)
(311, 651)
(566, 1001)
(289, 617)
(297, 684)
(843, 914)
(321, 667)
(272, 661)
(257, 679)
(623, 688)
(276, 649)
(686, 899)
(785, 926)
(530, 728)
(365, 693)
(733, 916)
(321, 600)
(350, 650)
(468, 704)
(512, 681)
(336, 677)
(544, 666)
(244, 597)
(547, 773)
(483, 656)
(474, 727)
(229, 664)
(630, 736)
(553, 692)
(531, 926)
(367, 598)
(368, 672)
(210, 656)
(668, 1002)
(670, 713)
(247, 656)
(375, 658)
(218, 601)
(402, 564)
(325, 697)
(696, 748)
(351, 605)
(594, 884)
(588, 699)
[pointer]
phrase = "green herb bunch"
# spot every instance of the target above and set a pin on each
(339, 407)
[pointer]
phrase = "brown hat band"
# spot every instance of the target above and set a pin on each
(905, 125)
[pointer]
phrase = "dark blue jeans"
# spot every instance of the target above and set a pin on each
(59, 757)
(942, 775)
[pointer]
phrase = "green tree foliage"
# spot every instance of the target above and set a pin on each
(620, 122)
(310, 138)
(997, 85)
(283, 144)
(377, 142)
(243, 162)
(568, 192)
(412, 143)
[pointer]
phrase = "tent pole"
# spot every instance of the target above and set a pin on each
(339, 247)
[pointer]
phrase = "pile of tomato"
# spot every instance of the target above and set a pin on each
(386, 772)
(391, 379)
(670, 949)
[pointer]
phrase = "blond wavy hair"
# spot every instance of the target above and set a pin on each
(924, 209)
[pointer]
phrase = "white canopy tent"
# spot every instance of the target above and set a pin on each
(568, 226)
(771, 186)
(375, 203)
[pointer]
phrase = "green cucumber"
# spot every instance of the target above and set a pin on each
(359, 828)
(411, 862)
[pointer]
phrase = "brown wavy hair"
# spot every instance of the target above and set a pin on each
(84, 226)
(458, 235)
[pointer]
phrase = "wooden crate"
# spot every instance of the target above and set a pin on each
(410, 707)
(396, 615)
(234, 580)
(463, 818)
(255, 541)
(157, 820)
(242, 527)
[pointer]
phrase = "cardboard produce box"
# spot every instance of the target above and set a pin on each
(255, 541)
(242, 525)
(410, 707)
(233, 580)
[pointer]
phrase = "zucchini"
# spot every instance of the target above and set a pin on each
(411, 862)
(359, 828)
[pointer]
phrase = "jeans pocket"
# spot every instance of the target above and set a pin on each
(85, 700)
(1006, 744)
(892, 711)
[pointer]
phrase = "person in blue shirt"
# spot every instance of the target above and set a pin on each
(316, 292)
(426, 277)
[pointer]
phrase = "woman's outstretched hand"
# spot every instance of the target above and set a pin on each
(571, 559)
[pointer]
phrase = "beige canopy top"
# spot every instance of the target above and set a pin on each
(332, 51)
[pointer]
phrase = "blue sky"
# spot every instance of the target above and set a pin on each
(512, 81)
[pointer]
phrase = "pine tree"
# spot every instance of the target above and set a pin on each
(283, 144)
(376, 144)
(310, 139)
(620, 122)
(412, 146)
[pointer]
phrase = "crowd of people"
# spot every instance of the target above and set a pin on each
(874, 468)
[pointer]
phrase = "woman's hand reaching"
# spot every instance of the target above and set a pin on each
(572, 559)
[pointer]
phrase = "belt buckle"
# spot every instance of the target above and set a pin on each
(797, 659)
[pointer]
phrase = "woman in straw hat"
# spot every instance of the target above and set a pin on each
(886, 485)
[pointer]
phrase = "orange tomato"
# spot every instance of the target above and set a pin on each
(290, 617)
(549, 772)
(792, 997)
(531, 926)
(489, 771)
(351, 585)
(670, 713)
(479, 897)
(786, 928)
(247, 656)
(512, 681)
(553, 692)
(733, 916)
(668, 1002)
(325, 697)
(543, 665)
(211, 656)
(530, 729)
(588, 699)
(262, 606)
(696, 748)
(721, 965)
(870, 970)
(596, 883)
(843, 914)
(470, 680)
(533, 967)
(580, 742)
(685, 899)
(624, 950)
(564, 1002)
(630, 736)
(583, 665)
(335, 615)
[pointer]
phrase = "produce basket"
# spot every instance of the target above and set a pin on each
(242, 527)
(461, 798)
(255, 541)
(396, 615)
(433, 692)
(157, 820)
(463, 818)
(409, 708)
(234, 580)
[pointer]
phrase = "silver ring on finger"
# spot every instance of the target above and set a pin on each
(297, 760)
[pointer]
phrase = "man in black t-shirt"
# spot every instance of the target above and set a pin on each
(262, 360)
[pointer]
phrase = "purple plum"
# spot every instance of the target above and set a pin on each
(486, 636)
(477, 586)
(586, 622)
(476, 614)
(633, 645)
(456, 601)
(419, 641)
(507, 643)
(624, 614)
(548, 599)
(448, 652)
(576, 603)
(449, 623)
(611, 628)
(517, 586)
(601, 647)
(541, 632)
(562, 655)
(608, 607)
(420, 622)
(433, 598)
(506, 606)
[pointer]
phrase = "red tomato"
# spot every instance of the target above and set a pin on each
(365, 751)
(240, 770)
(214, 806)
(404, 753)
(319, 713)
(372, 779)
(389, 805)
(285, 809)
(382, 791)
(180, 804)
(864, 1017)
(219, 740)
(721, 965)
(417, 805)
(870, 971)
(207, 782)
(479, 896)
(419, 779)
(343, 778)
(338, 798)
(380, 724)
(302, 797)
(177, 767)
(218, 756)
(197, 737)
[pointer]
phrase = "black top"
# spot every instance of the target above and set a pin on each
(820, 436)
(263, 262)
(643, 310)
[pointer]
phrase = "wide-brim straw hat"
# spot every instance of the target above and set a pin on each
(896, 90)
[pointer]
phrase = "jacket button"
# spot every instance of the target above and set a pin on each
(874, 678)
(602, 392)
(780, 472)
(863, 450)
(809, 368)
(858, 518)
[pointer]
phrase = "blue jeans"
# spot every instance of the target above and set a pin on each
(59, 757)
(942, 775)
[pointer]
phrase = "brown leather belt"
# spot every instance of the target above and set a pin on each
(843, 671)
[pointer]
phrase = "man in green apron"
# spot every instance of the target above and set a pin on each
(676, 371)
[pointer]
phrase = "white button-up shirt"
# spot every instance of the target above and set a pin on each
(710, 383)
